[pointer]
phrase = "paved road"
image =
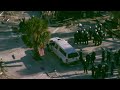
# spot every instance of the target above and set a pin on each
(24, 66)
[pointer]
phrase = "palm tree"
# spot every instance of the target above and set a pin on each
(34, 33)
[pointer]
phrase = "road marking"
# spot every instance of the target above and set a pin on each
(55, 30)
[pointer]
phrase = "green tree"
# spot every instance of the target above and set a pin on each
(35, 33)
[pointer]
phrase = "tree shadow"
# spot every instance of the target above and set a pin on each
(13, 66)
(11, 62)
(31, 66)
(9, 41)
(113, 41)
(83, 76)
(63, 35)
(5, 31)
(60, 67)
(114, 46)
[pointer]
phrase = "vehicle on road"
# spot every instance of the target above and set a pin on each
(63, 50)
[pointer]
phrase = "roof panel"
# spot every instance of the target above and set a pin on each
(64, 45)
